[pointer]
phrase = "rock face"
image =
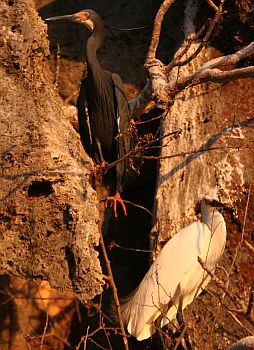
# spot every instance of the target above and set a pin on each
(211, 152)
(48, 210)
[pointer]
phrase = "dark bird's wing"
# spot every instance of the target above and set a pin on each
(123, 121)
(84, 121)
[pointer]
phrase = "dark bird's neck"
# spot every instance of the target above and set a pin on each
(94, 42)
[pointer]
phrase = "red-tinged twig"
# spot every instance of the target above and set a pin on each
(139, 149)
(148, 121)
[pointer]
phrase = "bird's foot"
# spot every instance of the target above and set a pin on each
(100, 170)
(116, 198)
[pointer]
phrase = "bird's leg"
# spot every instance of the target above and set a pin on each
(100, 169)
(116, 198)
(160, 336)
(179, 315)
(180, 320)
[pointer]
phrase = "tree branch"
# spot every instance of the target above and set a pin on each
(207, 35)
(214, 75)
(157, 28)
(162, 89)
(231, 59)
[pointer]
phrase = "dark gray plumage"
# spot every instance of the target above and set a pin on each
(103, 109)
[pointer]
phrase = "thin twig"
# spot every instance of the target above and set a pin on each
(183, 154)
(148, 121)
(251, 302)
(193, 37)
(208, 34)
(58, 64)
(90, 335)
(114, 244)
(140, 207)
(139, 150)
(242, 233)
(176, 62)
(220, 283)
(114, 290)
(85, 341)
(240, 323)
(44, 329)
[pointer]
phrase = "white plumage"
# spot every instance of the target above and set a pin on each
(177, 273)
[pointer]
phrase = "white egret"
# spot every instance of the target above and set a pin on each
(176, 277)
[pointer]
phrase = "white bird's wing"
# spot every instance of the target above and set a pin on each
(161, 281)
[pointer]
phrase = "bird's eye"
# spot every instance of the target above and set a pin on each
(86, 14)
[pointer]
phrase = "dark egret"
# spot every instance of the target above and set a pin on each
(176, 276)
(103, 111)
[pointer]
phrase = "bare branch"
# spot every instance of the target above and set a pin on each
(159, 79)
(211, 27)
(176, 62)
(157, 28)
(214, 75)
(164, 91)
(231, 59)
(212, 5)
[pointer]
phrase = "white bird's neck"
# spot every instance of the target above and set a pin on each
(216, 224)
(212, 218)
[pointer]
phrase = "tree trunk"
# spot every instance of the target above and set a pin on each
(48, 210)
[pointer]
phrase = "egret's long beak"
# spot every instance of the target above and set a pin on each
(72, 18)
(215, 204)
